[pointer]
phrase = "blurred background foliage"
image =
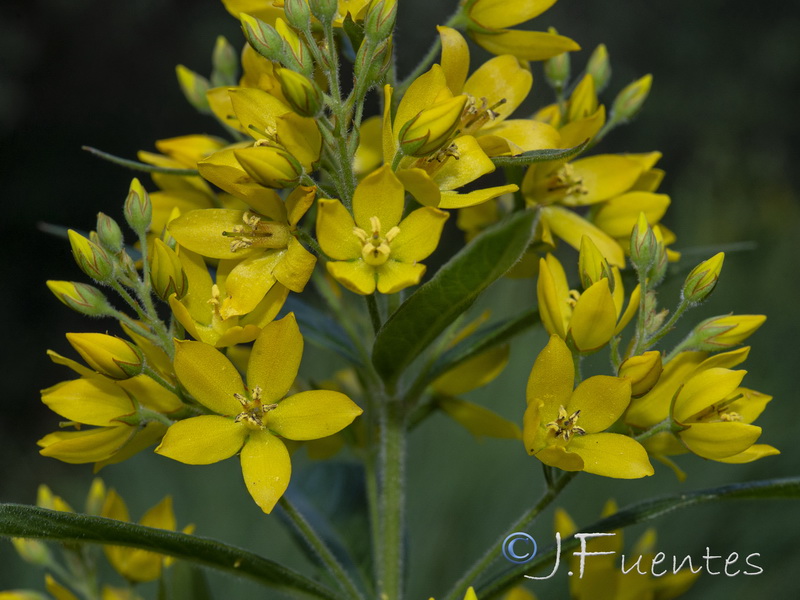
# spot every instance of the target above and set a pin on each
(77, 72)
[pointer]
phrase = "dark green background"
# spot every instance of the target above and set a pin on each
(77, 72)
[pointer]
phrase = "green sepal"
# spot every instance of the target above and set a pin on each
(19, 520)
(453, 289)
(354, 31)
(536, 156)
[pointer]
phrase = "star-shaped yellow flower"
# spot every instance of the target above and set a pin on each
(564, 428)
(252, 418)
(374, 248)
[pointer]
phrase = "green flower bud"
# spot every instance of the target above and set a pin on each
(81, 297)
(644, 245)
(303, 95)
(371, 62)
(599, 67)
(269, 166)
(194, 88)
(109, 234)
(107, 354)
(263, 38)
(138, 209)
(557, 69)
(324, 10)
(380, 20)
(432, 128)
(91, 258)
(703, 279)
(166, 273)
(298, 14)
(630, 100)
(225, 64)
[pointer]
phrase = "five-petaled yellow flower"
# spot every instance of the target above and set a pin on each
(376, 249)
(565, 428)
(253, 417)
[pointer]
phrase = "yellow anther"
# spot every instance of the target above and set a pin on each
(375, 248)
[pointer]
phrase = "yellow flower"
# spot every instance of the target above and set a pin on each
(589, 319)
(375, 249)
(257, 249)
(270, 11)
(249, 418)
(200, 310)
(107, 354)
(564, 428)
(487, 21)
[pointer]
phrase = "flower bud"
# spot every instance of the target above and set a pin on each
(138, 209)
(166, 273)
(303, 95)
(298, 14)
(644, 246)
(703, 279)
(371, 62)
(91, 258)
(96, 497)
(80, 297)
(270, 166)
(324, 10)
(298, 56)
(592, 265)
(263, 38)
(557, 69)
(225, 63)
(33, 552)
(432, 128)
(643, 371)
(380, 20)
(109, 234)
(194, 88)
(583, 100)
(720, 333)
(630, 100)
(107, 354)
(599, 67)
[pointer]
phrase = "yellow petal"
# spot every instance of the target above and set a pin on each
(301, 138)
(388, 139)
(618, 216)
(472, 163)
(577, 132)
(423, 93)
(369, 154)
(419, 234)
(594, 317)
(357, 276)
(571, 227)
(527, 45)
(500, 79)
(85, 446)
(601, 400)
(202, 231)
(295, 266)
(335, 231)
(151, 394)
(266, 469)
(719, 440)
(754, 452)
(455, 58)
(394, 276)
(604, 176)
(208, 376)
(479, 421)
(248, 283)
(559, 457)
(202, 440)
(275, 359)
(380, 194)
(266, 310)
(551, 378)
(496, 14)
(312, 415)
(474, 372)
(705, 389)
(200, 285)
(552, 298)
(256, 110)
(298, 203)
(142, 438)
(419, 184)
(93, 401)
(524, 134)
(456, 200)
(612, 455)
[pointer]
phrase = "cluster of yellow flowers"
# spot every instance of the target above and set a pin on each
(305, 188)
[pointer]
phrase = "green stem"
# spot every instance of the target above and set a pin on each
(374, 313)
(152, 374)
(392, 509)
(311, 537)
(309, 241)
(668, 326)
(520, 524)
(139, 166)
(665, 425)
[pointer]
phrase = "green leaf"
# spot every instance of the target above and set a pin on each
(648, 510)
(452, 290)
(355, 34)
(535, 156)
(482, 340)
(319, 329)
(139, 166)
(18, 520)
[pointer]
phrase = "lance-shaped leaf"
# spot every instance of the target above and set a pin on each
(18, 520)
(534, 156)
(452, 290)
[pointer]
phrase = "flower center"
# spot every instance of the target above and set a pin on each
(558, 184)
(254, 414)
(477, 113)
(375, 248)
(719, 412)
(565, 426)
(256, 232)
